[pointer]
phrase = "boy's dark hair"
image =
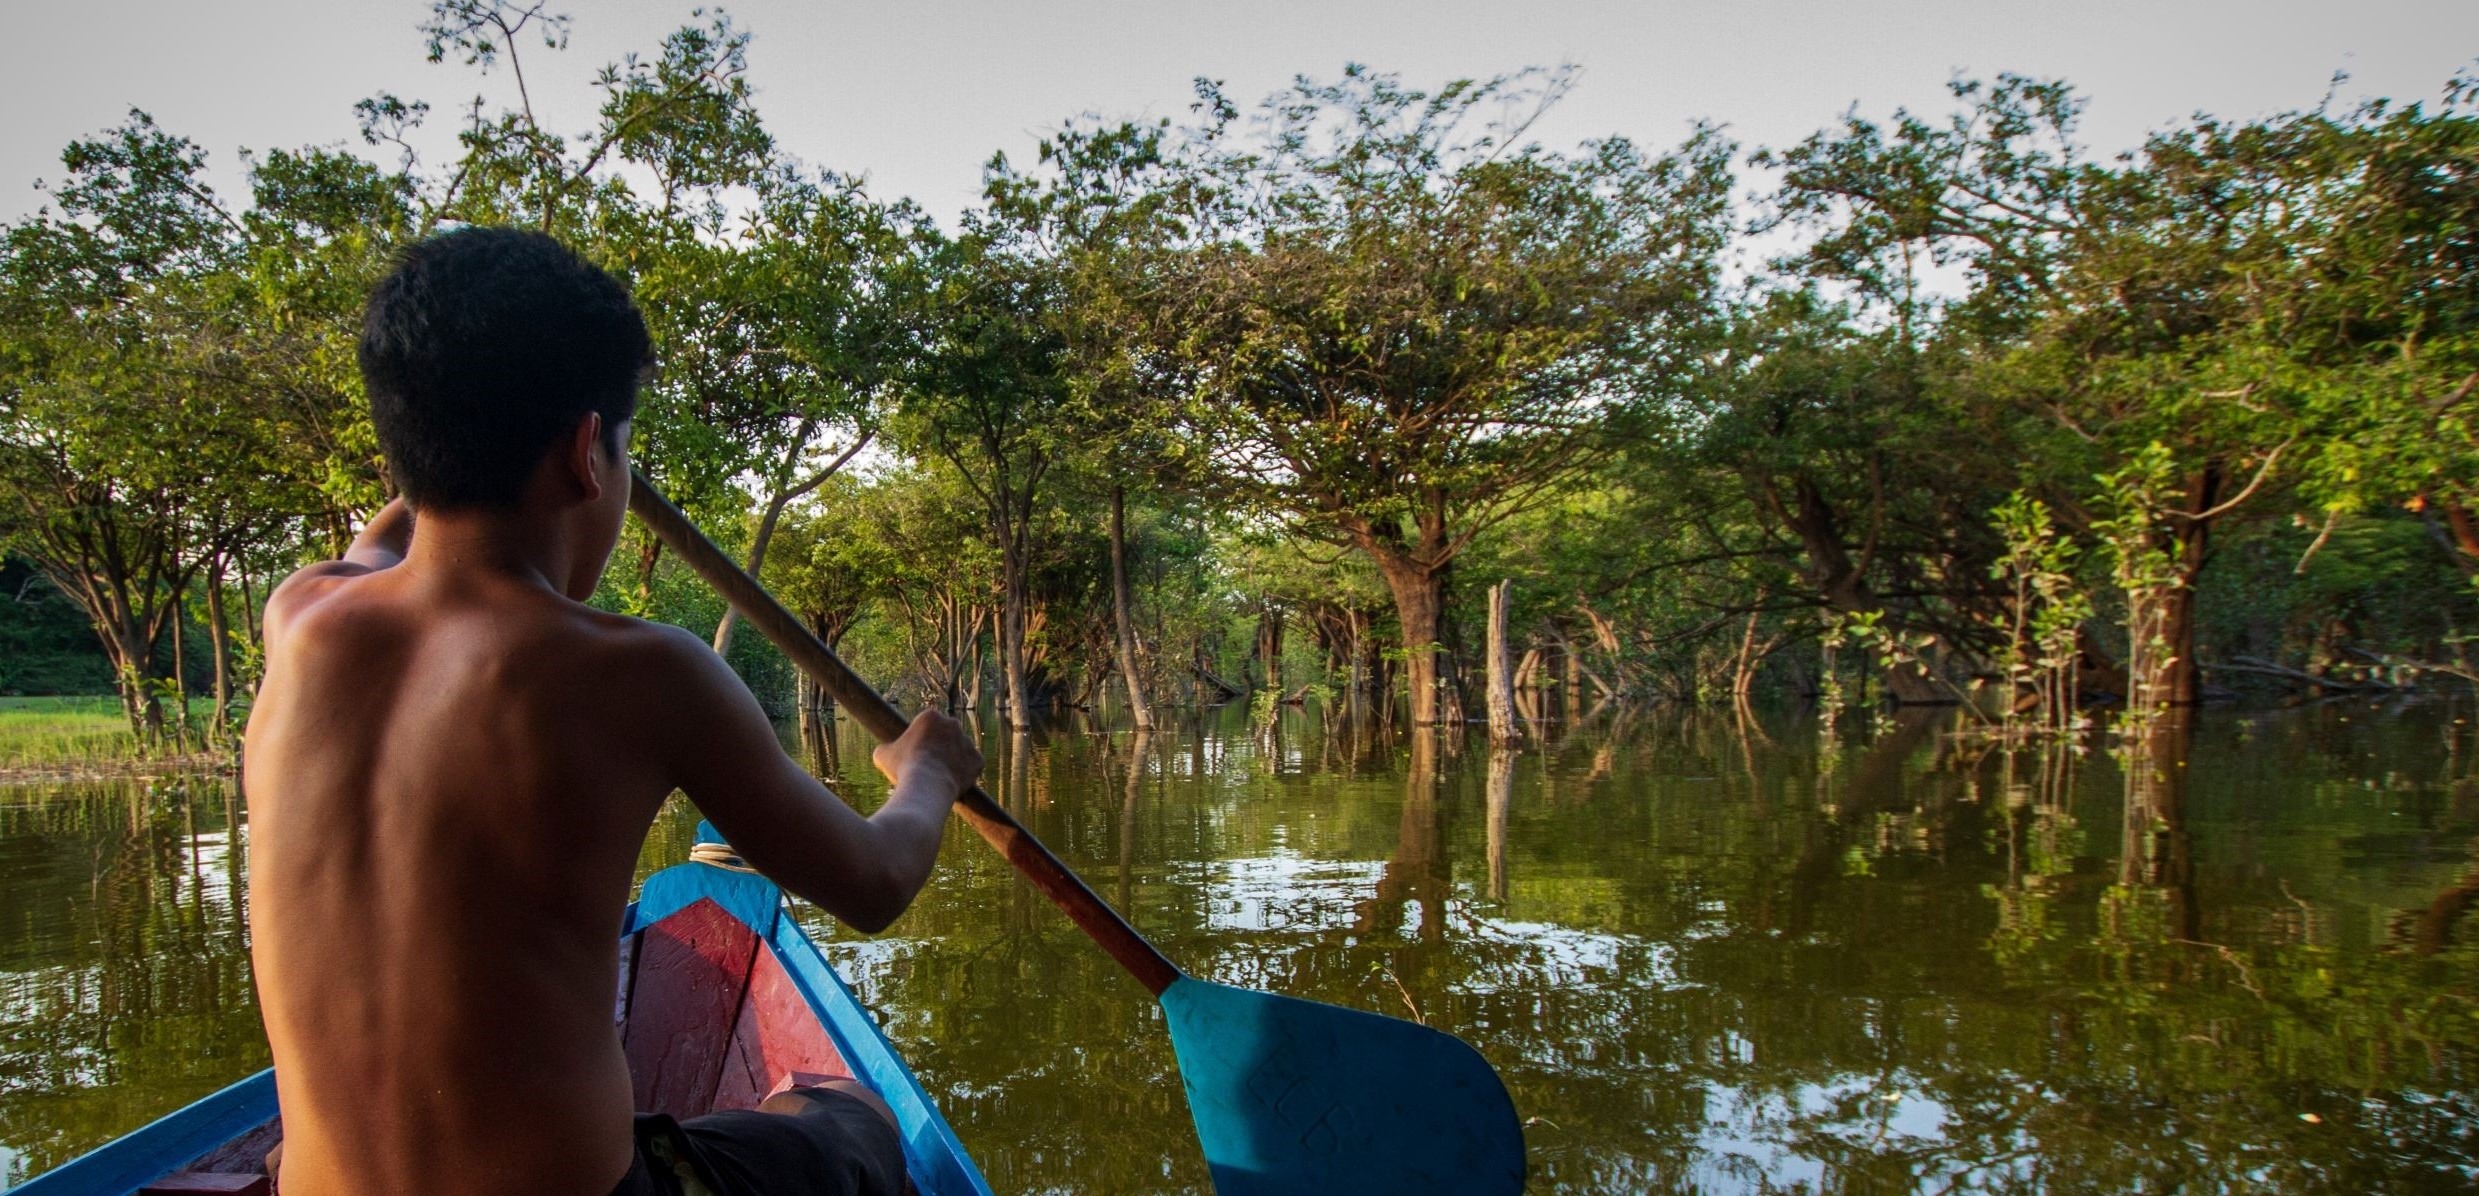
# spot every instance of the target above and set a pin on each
(481, 349)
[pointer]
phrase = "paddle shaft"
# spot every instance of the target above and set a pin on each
(884, 722)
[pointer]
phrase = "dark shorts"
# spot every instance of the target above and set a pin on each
(842, 1147)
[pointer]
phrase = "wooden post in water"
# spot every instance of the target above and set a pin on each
(1500, 668)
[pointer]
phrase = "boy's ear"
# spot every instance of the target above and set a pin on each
(583, 456)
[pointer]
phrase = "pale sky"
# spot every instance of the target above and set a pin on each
(918, 95)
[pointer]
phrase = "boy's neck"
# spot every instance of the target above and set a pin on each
(512, 545)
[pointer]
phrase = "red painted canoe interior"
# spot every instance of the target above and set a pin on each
(713, 1020)
(709, 1019)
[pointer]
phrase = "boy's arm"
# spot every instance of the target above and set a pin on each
(725, 755)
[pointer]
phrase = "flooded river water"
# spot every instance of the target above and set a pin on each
(1705, 955)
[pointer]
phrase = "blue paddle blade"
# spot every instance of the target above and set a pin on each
(1293, 1096)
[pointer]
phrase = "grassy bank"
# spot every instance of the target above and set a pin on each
(73, 735)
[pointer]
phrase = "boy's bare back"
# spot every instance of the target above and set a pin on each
(448, 786)
(450, 767)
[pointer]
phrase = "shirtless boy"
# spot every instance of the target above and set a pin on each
(453, 761)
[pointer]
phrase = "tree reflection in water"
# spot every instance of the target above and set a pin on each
(1707, 952)
(124, 964)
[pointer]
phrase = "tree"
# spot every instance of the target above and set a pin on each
(986, 398)
(782, 344)
(1104, 193)
(2138, 319)
(99, 409)
(936, 576)
(1841, 441)
(1399, 329)
(825, 567)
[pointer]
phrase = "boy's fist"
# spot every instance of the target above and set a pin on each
(934, 742)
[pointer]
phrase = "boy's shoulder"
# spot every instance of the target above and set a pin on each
(653, 642)
(643, 651)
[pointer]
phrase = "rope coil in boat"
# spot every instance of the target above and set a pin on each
(719, 855)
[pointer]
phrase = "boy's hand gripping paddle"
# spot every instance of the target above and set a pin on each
(1289, 1096)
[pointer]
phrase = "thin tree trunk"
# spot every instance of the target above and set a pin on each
(1359, 672)
(249, 606)
(1020, 768)
(1743, 672)
(219, 638)
(756, 564)
(180, 672)
(1122, 601)
(129, 676)
(1137, 752)
(1501, 667)
(1011, 640)
(648, 554)
(976, 647)
(2181, 683)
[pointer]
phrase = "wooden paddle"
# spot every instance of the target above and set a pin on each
(1289, 1096)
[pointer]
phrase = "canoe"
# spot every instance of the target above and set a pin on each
(721, 1000)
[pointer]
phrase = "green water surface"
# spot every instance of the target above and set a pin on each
(1706, 955)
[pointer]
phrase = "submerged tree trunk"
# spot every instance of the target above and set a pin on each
(1419, 602)
(1419, 873)
(817, 707)
(2158, 850)
(1011, 641)
(810, 722)
(2180, 680)
(1501, 674)
(1270, 646)
(1122, 604)
(1137, 752)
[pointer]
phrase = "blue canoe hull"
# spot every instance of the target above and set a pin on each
(722, 998)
